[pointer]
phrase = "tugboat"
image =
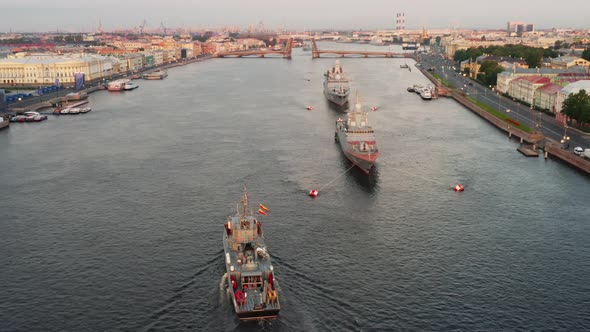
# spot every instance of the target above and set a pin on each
(250, 274)
(357, 139)
(336, 85)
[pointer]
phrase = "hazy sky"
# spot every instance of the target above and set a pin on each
(83, 15)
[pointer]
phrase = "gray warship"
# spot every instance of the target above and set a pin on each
(357, 138)
(336, 85)
(250, 274)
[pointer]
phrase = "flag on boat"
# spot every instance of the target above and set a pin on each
(262, 212)
(262, 207)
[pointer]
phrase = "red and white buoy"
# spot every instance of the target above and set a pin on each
(458, 188)
(374, 108)
(309, 108)
(314, 193)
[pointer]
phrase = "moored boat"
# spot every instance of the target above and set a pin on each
(250, 274)
(32, 116)
(426, 93)
(357, 139)
(336, 85)
(130, 86)
(76, 95)
(155, 75)
(117, 85)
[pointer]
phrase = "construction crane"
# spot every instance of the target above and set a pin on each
(142, 26)
(163, 28)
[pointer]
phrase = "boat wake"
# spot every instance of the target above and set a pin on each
(181, 291)
(318, 292)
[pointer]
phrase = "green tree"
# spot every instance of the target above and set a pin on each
(200, 38)
(488, 72)
(470, 53)
(586, 54)
(426, 41)
(533, 57)
(438, 40)
(577, 107)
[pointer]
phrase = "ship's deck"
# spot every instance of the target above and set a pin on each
(249, 265)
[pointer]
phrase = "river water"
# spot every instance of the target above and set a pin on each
(112, 220)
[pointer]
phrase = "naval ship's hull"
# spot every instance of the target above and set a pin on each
(339, 100)
(335, 94)
(363, 161)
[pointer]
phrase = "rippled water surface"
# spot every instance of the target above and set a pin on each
(112, 221)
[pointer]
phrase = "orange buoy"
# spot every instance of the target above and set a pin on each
(458, 188)
(313, 193)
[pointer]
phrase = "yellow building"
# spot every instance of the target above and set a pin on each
(45, 69)
(565, 62)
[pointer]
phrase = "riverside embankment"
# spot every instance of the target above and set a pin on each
(536, 139)
(45, 103)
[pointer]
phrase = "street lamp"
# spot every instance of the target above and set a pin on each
(517, 107)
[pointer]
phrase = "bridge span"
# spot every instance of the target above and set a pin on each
(316, 53)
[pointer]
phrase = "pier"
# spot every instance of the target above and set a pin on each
(285, 54)
(554, 149)
(316, 53)
(527, 151)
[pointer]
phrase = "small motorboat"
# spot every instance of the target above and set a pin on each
(64, 111)
(18, 118)
(32, 116)
(75, 110)
(85, 110)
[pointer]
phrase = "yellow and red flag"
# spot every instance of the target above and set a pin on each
(261, 211)
(262, 207)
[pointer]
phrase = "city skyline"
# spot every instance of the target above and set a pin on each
(68, 16)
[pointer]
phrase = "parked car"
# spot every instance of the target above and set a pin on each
(578, 150)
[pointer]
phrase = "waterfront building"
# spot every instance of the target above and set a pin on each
(119, 65)
(135, 61)
(546, 96)
(45, 69)
(158, 57)
(557, 76)
(523, 88)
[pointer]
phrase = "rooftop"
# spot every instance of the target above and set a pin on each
(576, 86)
(550, 88)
